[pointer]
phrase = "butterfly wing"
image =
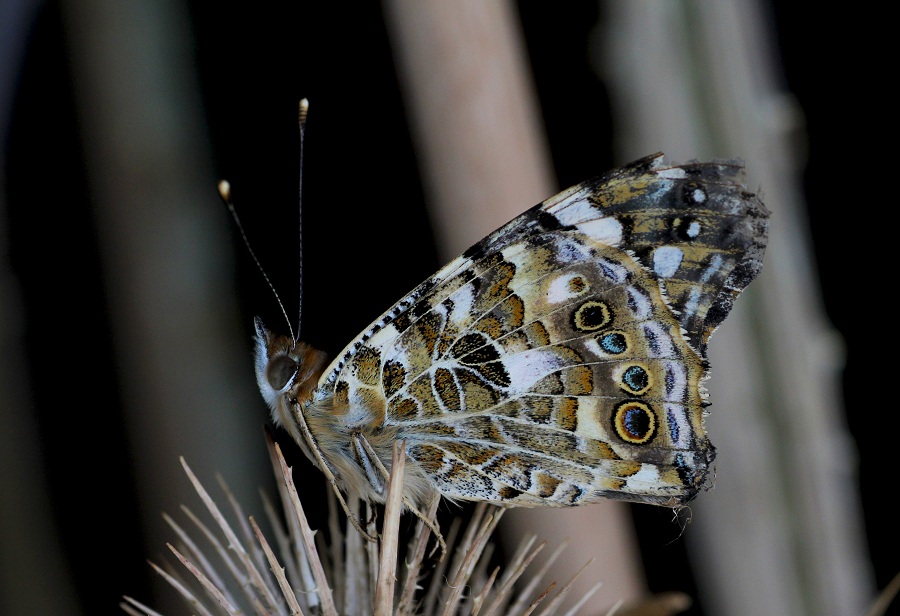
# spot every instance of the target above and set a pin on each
(560, 359)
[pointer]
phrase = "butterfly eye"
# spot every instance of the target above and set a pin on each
(280, 371)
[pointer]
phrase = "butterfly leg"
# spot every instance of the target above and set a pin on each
(365, 450)
(326, 469)
(369, 462)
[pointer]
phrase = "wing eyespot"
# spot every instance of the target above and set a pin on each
(635, 422)
(591, 316)
(635, 380)
(614, 342)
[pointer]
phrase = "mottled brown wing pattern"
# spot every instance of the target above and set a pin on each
(560, 359)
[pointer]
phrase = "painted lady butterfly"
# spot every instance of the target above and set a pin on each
(556, 362)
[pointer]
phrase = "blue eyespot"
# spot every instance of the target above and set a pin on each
(614, 342)
(636, 379)
(634, 422)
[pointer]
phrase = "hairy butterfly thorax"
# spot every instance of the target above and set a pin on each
(557, 362)
(345, 439)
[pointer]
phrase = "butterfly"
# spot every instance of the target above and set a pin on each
(557, 362)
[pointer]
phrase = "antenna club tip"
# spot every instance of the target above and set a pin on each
(225, 190)
(304, 109)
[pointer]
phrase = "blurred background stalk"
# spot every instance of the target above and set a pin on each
(483, 152)
(782, 531)
(165, 257)
(35, 576)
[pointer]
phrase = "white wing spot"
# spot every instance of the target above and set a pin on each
(672, 173)
(643, 309)
(666, 260)
(566, 287)
(693, 301)
(575, 212)
(663, 346)
(676, 414)
(591, 345)
(648, 474)
(715, 264)
(605, 230)
(528, 367)
(463, 306)
(678, 387)
(693, 229)
(699, 196)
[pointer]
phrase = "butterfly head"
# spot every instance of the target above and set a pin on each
(286, 370)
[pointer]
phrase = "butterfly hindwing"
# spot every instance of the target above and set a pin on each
(560, 359)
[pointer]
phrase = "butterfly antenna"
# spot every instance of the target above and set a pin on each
(304, 110)
(225, 193)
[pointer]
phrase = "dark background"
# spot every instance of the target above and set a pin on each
(253, 69)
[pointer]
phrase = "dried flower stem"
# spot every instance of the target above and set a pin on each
(387, 566)
(322, 588)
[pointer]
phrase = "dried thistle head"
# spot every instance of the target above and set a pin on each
(238, 572)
